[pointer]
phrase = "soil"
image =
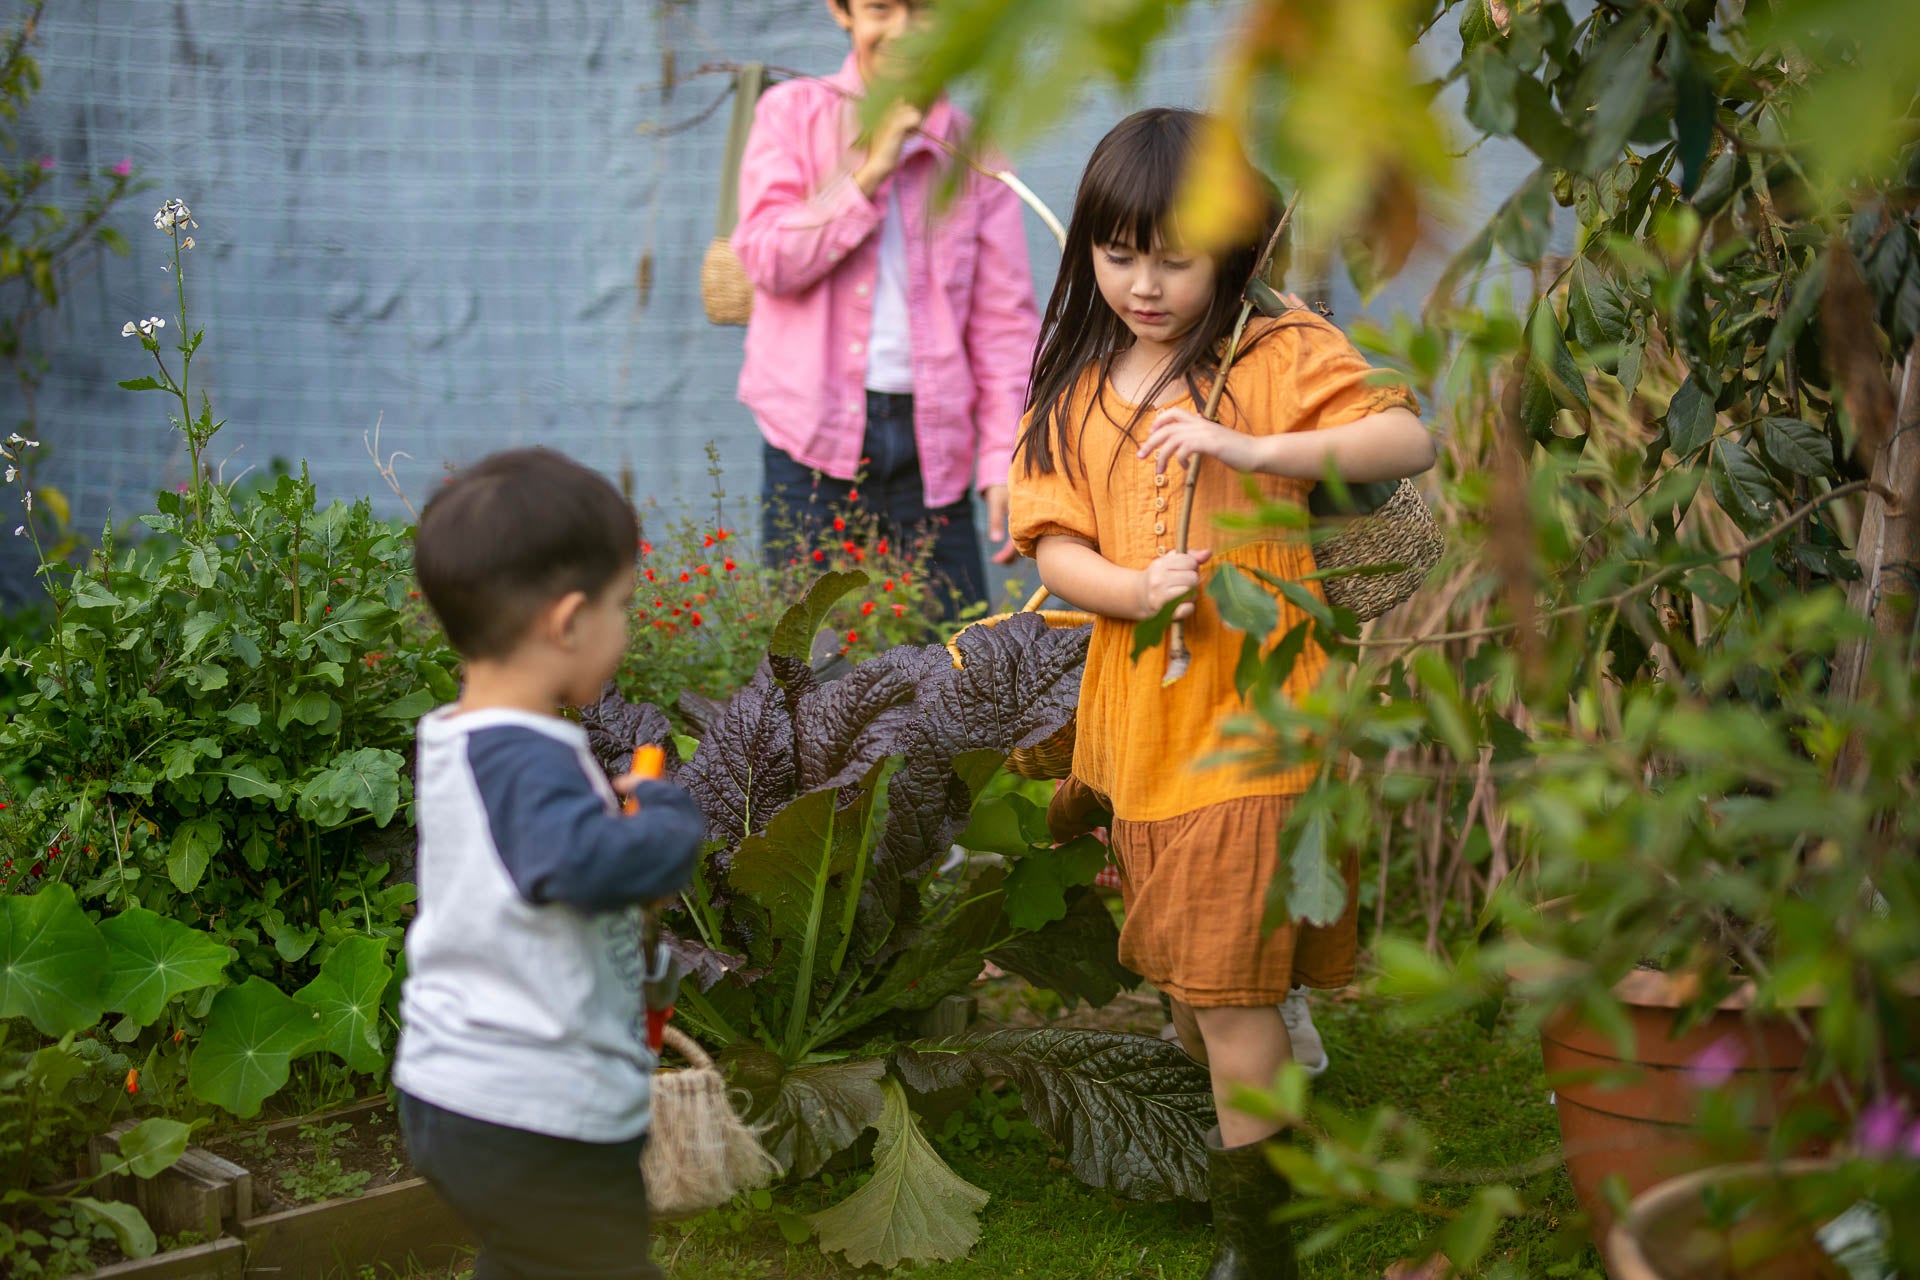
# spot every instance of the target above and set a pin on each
(343, 1153)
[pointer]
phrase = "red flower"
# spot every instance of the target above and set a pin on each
(729, 565)
(853, 495)
(650, 577)
(705, 569)
(899, 611)
(696, 620)
(819, 556)
(793, 560)
(178, 1036)
(722, 535)
(701, 598)
(882, 548)
(839, 525)
(853, 637)
(866, 609)
(646, 548)
(708, 541)
(848, 547)
(133, 1080)
(889, 585)
(686, 577)
(659, 604)
(413, 595)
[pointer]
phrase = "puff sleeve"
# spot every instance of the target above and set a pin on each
(1049, 504)
(1324, 381)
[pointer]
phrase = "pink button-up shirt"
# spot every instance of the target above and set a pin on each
(809, 239)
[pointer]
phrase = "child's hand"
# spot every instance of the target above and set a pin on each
(1180, 434)
(883, 150)
(1168, 578)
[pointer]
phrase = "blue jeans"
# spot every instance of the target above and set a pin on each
(543, 1208)
(801, 504)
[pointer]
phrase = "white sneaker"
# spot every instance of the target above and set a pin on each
(1308, 1049)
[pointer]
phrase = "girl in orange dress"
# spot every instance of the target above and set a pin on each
(1131, 339)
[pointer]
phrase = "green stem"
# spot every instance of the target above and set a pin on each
(803, 983)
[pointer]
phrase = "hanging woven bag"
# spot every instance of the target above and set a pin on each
(1386, 536)
(700, 1154)
(725, 290)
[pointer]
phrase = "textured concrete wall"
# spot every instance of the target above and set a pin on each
(432, 212)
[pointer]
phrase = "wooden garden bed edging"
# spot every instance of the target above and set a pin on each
(224, 1259)
(388, 1227)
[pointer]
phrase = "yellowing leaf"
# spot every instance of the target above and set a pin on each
(1220, 201)
(914, 1208)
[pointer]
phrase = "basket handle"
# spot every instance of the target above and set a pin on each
(685, 1045)
(1033, 601)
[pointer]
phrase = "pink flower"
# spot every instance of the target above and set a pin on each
(123, 169)
(1878, 1131)
(46, 162)
(1714, 1065)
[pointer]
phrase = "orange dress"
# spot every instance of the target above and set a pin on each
(1198, 843)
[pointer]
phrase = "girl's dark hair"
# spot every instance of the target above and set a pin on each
(1127, 197)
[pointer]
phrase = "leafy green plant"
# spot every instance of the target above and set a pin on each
(817, 919)
(322, 1176)
(217, 720)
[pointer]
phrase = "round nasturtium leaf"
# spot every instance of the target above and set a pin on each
(152, 958)
(346, 995)
(53, 961)
(253, 1034)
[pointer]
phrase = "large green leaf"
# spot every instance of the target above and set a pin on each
(913, 1209)
(1690, 418)
(1800, 447)
(253, 1034)
(1037, 887)
(53, 962)
(1243, 605)
(128, 1224)
(807, 1115)
(152, 958)
(195, 841)
(1077, 956)
(1597, 314)
(793, 634)
(1316, 891)
(149, 1147)
(805, 870)
(1130, 1112)
(366, 780)
(346, 995)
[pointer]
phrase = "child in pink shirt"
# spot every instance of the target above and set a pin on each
(891, 335)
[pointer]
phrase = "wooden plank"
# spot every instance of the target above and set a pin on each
(199, 1192)
(221, 1260)
(389, 1227)
(951, 1017)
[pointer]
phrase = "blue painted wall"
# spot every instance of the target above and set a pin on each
(431, 213)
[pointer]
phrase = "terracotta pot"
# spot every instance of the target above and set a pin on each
(1667, 1235)
(1636, 1116)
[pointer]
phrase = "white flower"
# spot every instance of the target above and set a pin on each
(29, 502)
(20, 531)
(151, 323)
(173, 215)
(128, 329)
(11, 473)
(188, 242)
(17, 439)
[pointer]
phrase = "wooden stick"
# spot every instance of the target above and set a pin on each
(1179, 657)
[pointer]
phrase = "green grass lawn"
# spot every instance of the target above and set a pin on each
(1479, 1094)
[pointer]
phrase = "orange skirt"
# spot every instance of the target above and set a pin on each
(1195, 889)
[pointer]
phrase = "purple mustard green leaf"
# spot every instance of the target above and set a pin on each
(846, 726)
(706, 965)
(615, 727)
(1130, 1111)
(745, 769)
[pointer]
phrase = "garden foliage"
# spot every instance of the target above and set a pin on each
(818, 918)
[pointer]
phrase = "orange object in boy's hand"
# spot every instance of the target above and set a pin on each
(649, 762)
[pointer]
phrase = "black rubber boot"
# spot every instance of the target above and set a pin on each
(1246, 1189)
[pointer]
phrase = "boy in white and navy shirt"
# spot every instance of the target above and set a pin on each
(523, 1070)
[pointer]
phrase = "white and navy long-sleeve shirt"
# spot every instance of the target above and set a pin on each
(522, 1004)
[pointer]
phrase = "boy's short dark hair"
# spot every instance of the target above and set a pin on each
(512, 534)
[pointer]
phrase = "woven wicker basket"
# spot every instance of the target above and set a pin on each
(1401, 532)
(700, 1154)
(1054, 757)
(725, 290)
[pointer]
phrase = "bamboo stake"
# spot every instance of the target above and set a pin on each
(1179, 657)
